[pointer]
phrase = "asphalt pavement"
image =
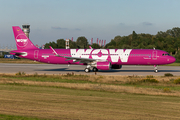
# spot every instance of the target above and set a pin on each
(79, 69)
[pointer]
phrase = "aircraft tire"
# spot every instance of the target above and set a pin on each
(87, 70)
(95, 69)
(156, 71)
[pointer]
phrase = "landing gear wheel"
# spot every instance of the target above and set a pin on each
(95, 69)
(155, 70)
(87, 70)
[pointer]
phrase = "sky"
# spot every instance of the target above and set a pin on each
(50, 20)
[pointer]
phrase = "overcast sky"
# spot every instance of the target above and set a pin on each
(104, 19)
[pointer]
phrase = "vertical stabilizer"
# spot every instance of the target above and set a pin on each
(22, 41)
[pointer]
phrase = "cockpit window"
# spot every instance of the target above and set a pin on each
(165, 54)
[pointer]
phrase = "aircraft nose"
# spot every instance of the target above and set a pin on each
(172, 59)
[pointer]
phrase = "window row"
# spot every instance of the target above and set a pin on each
(109, 54)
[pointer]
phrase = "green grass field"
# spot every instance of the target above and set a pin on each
(60, 103)
(70, 97)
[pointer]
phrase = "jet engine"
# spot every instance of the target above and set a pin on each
(116, 66)
(103, 65)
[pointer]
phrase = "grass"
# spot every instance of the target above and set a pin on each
(61, 103)
(14, 117)
(71, 96)
(173, 64)
(129, 84)
(50, 78)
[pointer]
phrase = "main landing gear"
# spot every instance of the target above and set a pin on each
(155, 69)
(88, 69)
(94, 69)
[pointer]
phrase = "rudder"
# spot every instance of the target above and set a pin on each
(22, 41)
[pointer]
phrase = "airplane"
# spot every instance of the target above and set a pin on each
(94, 59)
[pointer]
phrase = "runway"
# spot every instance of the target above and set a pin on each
(78, 69)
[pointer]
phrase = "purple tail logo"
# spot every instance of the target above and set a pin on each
(22, 40)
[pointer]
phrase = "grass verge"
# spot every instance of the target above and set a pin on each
(14, 117)
(149, 85)
(61, 103)
(95, 97)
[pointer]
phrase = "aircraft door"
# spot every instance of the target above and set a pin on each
(36, 54)
(154, 55)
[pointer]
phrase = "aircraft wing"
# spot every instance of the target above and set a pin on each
(76, 59)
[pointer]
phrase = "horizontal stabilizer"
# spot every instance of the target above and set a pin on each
(20, 53)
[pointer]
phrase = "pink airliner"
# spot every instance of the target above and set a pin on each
(94, 59)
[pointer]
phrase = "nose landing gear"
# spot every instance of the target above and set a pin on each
(155, 69)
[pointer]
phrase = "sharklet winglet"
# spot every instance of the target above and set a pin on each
(54, 51)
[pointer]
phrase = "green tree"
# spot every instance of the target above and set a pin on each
(134, 35)
(112, 44)
(174, 32)
(110, 47)
(72, 44)
(61, 43)
(52, 44)
(82, 42)
(46, 46)
(161, 34)
(177, 56)
(95, 46)
(150, 47)
(125, 46)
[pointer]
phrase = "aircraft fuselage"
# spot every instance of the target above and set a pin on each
(115, 56)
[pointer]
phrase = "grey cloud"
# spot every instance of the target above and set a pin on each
(59, 28)
(147, 24)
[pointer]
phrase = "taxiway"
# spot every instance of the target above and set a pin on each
(78, 69)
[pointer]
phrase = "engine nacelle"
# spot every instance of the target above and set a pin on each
(116, 66)
(103, 65)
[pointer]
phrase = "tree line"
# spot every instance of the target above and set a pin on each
(168, 41)
(80, 43)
